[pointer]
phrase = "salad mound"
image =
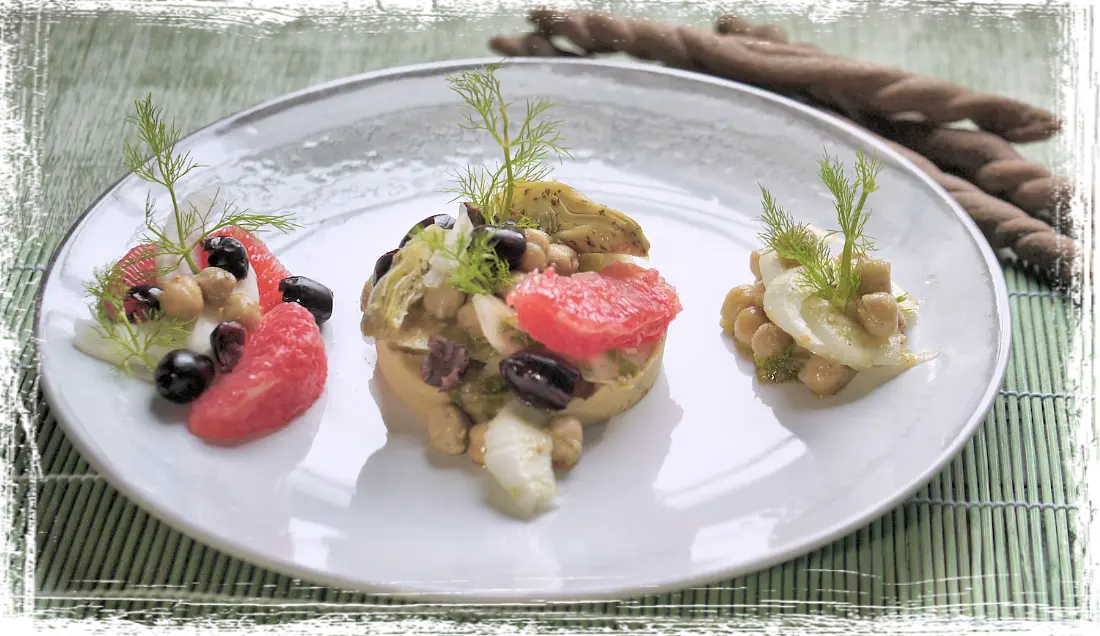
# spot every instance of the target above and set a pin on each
(513, 324)
(822, 307)
(201, 296)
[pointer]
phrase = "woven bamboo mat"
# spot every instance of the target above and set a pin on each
(992, 536)
(1002, 541)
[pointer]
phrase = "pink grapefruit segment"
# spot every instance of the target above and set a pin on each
(623, 306)
(281, 373)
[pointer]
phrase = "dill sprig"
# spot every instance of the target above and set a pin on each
(835, 280)
(165, 167)
(152, 157)
(139, 343)
(524, 150)
(479, 269)
(851, 214)
(782, 367)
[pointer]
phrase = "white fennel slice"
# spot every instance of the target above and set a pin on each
(441, 264)
(496, 318)
(517, 455)
(827, 331)
(89, 339)
(205, 206)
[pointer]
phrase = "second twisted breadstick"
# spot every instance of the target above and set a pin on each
(764, 60)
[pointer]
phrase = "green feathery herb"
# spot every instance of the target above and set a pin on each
(834, 280)
(166, 168)
(153, 158)
(524, 151)
(139, 343)
(783, 367)
(480, 270)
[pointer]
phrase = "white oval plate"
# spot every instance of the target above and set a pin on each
(712, 475)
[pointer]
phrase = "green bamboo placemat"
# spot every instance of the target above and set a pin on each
(1004, 540)
(992, 536)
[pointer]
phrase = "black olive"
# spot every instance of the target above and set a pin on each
(541, 379)
(509, 242)
(182, 375)
(141, 302)
(227, 341)
(445, 221)
(383, 265)
(310, 294)
(227, 253)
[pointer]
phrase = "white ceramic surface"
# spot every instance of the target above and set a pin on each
(712, 475)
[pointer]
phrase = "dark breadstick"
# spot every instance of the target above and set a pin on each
(1003, 224)
(770, 61)
(985, 159)
(989, 163)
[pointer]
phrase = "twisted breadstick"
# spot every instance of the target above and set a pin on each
(984, 159)
(763, 59)
(1003, 224)
(989, 163)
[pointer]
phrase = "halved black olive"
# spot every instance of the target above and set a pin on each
(227, 253)
(445, 221)
(508, 242)
(183, 375)
(141, 302)
(310, 294)
(541, 379)
(227, 340)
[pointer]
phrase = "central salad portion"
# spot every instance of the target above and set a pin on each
(513, 324)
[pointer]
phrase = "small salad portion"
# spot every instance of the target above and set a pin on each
(515, 323)
(822, 307)
(203, 310)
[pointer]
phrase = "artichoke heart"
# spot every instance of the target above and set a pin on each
(571, 218)
(387, 303)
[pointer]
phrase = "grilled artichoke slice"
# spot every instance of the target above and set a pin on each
(571, 218)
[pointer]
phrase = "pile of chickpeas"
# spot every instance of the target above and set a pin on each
(874, 308)
(185, 297)
(451, 430)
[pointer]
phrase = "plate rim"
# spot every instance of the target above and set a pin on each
(351, 82)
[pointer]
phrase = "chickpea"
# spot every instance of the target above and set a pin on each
(534, 258)
(788, 262)
(476, 446)
(538, 237)
(748, 321)
(243, 309)
(568, 436)
(563, 259)
(825, 377)
(758, 294)
(181, 298)
(874, 276)
(216, 285)
(754, 264)
(448, 429)
(878, 313)
(770, 341)
(737, 299)
(467, 319)
(443, 302)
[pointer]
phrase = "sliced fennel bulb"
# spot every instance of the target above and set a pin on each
(517, 455)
